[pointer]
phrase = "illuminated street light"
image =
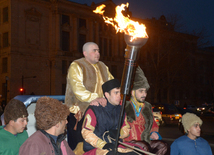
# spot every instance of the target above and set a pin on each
(22, 90)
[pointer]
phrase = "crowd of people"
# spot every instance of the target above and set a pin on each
(91, 114)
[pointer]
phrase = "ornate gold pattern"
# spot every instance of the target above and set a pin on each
(92, 139)
(88, 122)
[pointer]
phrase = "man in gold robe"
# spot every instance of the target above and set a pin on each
(84, 80)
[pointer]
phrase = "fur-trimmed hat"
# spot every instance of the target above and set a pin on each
(14, 109)
(111, 84)
(49, 112)
(189, 119)
(140, 81)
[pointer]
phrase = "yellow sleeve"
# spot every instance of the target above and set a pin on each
(124, 131)
(92, 139)
(110, 76)
(88, 133)
(75, 76)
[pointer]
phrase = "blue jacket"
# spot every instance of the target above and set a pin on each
(186, 146)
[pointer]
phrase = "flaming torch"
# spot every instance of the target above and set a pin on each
(135, 37)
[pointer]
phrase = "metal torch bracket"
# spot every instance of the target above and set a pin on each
(131, 53)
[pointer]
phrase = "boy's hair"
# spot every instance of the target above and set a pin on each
(14, 109)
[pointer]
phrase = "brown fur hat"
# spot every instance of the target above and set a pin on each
(140, 81)
(189, 119)
(49, 112)
(14, 109)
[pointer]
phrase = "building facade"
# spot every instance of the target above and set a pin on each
(39, 39)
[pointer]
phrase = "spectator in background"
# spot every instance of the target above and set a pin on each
(13, 134)
(51, 119)
(3, 104)
(1, 112)
(2, 119)
(84, 80)
(191, 143)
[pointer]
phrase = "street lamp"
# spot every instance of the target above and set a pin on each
(6, 78)
(22, 90)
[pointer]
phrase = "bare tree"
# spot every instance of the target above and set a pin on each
(177, 22)
(167, 60)
(203, 37)
(179, 26)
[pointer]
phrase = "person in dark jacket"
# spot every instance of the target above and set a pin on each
(51, 119)
(100, 124)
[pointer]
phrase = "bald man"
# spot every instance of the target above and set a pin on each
(84, 80)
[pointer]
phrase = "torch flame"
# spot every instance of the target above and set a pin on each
(122, 23)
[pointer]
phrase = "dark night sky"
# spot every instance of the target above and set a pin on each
(194, 14)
